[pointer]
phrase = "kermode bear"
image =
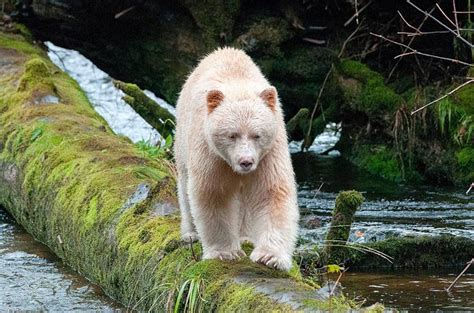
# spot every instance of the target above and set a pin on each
(235, 178)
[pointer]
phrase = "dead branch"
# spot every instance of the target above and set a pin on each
(357, 13)
(459, 276)
(444, 96)
(318, 100)
(414, 51)
(410, 42)
(441, 23)
(469, 190)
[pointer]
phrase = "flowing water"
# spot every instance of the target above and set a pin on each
(389, 210)
(32, 278)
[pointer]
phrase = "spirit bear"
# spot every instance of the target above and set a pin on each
(235, 178)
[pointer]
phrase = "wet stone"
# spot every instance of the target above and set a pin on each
(48, 99)
(140, 194)
(164, 209)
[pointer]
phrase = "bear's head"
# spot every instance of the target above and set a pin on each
(241, 131)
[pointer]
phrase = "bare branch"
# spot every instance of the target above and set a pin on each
(468, 264)
(423, 33)
(442, 24)
(315, 41)
(444, 96)
(318, 100)
(444, 14)
(408, 24)
(414, 51)
(357, 13)
(348, 39)
(409, 43)
(456, 17)
(317, 27)
(469, 190)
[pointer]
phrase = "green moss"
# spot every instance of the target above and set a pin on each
(378, 160)
(158, 117)
(417, 252)
(297, 126)
(265, 36)
(216, 22)
(465, 160)
(298, 76)
(347, 203)
(370, 94)
(38, 75)
(333, 304)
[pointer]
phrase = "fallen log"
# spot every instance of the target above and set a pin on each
(107, 209)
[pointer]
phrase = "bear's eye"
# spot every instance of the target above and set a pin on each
(256, 137)
(233, 136)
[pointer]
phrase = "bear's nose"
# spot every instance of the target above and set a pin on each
(246, 164)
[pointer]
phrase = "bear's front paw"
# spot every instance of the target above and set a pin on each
(271, 258)
(189, 237)
(224, 254)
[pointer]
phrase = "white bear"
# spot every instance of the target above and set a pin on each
(235, 177)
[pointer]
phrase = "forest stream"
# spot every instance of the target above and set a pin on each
(32, 278)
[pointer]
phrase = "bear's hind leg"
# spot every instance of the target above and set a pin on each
(188, 232)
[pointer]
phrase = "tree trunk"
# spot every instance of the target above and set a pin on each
(107, 209)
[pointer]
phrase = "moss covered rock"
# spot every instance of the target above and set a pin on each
(418, 252)
(347, 203)
(366, 91)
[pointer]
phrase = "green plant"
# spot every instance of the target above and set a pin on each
(163, 149)
(193, 288)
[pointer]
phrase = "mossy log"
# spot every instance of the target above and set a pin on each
(417, 252)
(158, 117)
(105, 208)
(347, 203)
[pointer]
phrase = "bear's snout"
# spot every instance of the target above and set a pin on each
(246, 165)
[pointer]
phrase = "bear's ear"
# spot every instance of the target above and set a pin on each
(269, 95)
(214, 98)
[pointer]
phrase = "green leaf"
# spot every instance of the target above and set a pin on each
(334, 268)
(36, 134)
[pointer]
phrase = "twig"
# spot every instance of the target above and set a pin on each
(444, 14)
(408, 24)
(318, 190)
(356, 14)
(122, 13)
(442, 24)
(459, 276)
(317, 27)
(469, 190)
(455, 17)
(337, 281)
(317, 101)
(423, 33)
(409, 43)
(444, 96)
(420, 53)
(344, 44)
(315, 41)
(192, 249)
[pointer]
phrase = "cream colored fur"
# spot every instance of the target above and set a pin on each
(222, 204)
